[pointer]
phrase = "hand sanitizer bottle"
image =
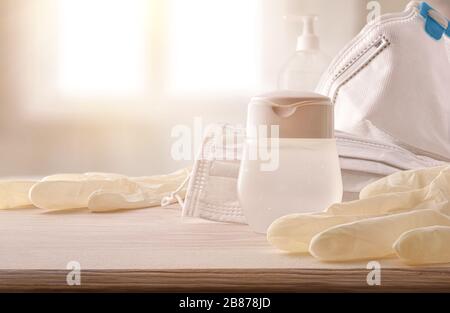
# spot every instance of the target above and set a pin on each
(290, 162)
(303, 70)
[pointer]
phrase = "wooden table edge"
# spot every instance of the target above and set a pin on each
(228, 280)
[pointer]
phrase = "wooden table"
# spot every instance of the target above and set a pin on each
(157, 250)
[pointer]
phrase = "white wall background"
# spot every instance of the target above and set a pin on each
(136, 140)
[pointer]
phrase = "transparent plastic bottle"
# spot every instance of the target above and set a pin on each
(307, 177)
(303, 69)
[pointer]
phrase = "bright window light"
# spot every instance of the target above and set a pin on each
(213, 44)
(102, 47)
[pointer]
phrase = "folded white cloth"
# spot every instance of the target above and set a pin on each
(364, 161)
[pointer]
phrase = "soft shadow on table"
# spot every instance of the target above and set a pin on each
(367, 262)
(118, 211)
(303, 255)
(272, 250)
(24, 208)
(65, 211)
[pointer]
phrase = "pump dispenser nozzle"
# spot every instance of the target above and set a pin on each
(308, 40)
(303, 69)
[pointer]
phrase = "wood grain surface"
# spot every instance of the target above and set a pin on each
(154, 250)
(227, 280)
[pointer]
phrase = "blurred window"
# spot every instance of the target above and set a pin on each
(102, 47)
(213, 44)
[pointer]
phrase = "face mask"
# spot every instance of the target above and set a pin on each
(212, 189)
(391, 83)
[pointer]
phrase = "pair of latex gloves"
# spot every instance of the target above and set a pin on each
(406, 214)
(98, 192)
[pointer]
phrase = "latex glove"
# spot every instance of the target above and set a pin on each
(375, 237)
(422, 189)
(426, 245)
(371, 238)
(14, 193)
(399, 192)
(293, 233)
(147, 192)
(102, 192)
(70, 191)
(402, 181)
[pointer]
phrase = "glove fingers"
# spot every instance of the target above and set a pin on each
(147, 192)
(426, 245)
(402, 181)
(293, 233)
(372, 237)
(72, 191)
(60, 195)
(437, 190)
(379, 205)
(107, 202)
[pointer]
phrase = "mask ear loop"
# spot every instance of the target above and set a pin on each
(174, 195)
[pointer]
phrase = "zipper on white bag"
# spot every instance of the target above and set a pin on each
(356, 64)
(350, 61)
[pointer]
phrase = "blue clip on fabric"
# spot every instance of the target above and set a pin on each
(433, 27)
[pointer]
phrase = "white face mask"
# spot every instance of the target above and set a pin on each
(212, 189)
(392, 82)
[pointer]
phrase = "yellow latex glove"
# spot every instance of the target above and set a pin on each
(14, 193)
(411, 190)
(402, 181)
(426, 245)
(102, 192)
(402, 191)
(71, 191)
(376, 237)
(371, 238)
(146, 192)
(293, 233)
